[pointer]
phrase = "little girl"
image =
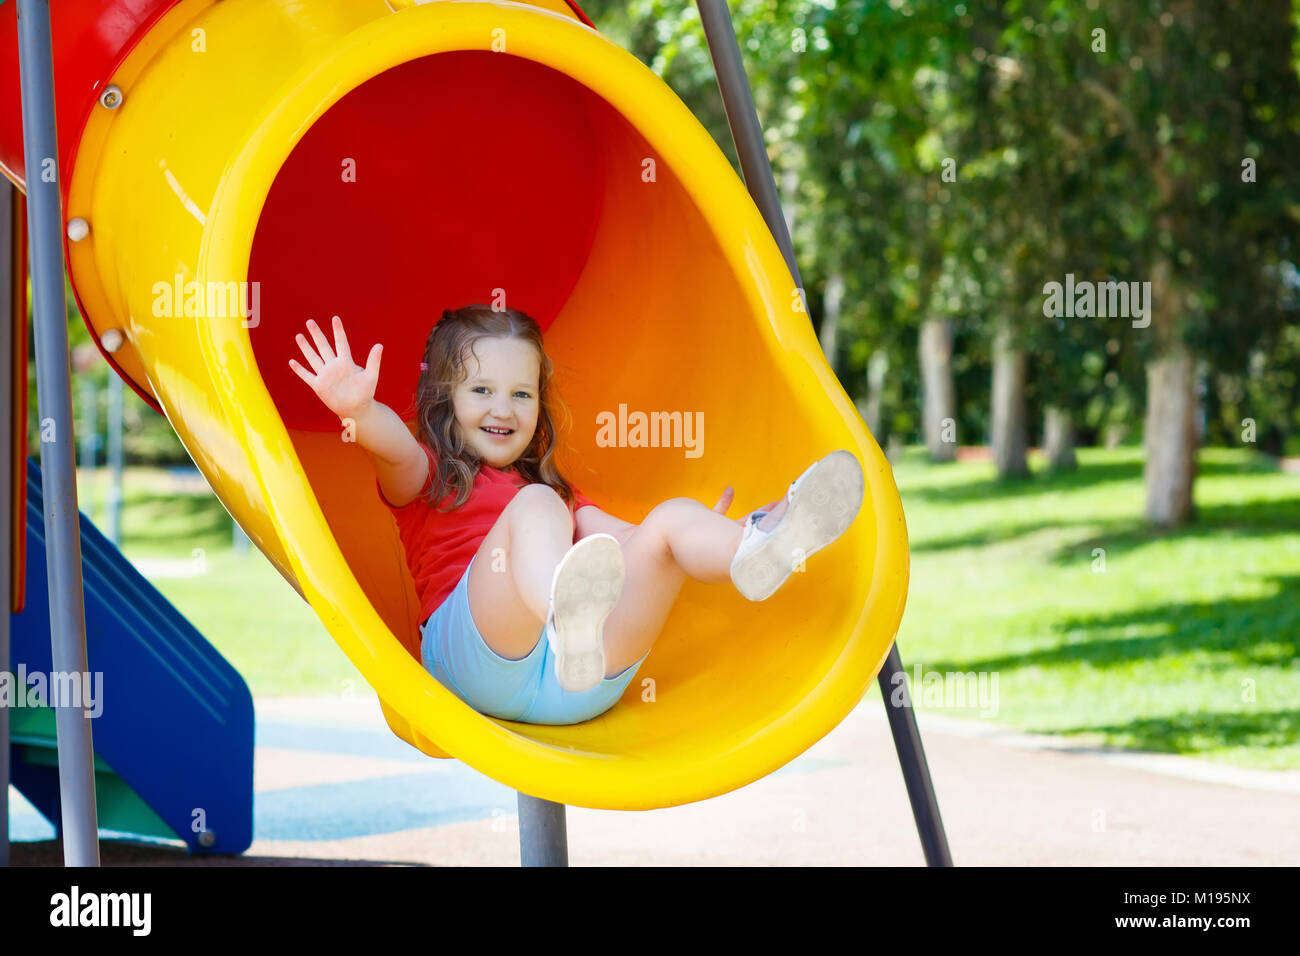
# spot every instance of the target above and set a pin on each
(504, 551)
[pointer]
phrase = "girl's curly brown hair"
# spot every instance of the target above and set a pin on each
(449, 345)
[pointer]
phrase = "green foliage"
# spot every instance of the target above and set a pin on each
(1067, 159)
(1267, 394)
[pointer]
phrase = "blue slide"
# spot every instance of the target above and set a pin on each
(172, 721)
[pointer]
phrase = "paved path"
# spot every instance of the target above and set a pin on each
(334, 785)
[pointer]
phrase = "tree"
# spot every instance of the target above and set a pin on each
(1189, 111)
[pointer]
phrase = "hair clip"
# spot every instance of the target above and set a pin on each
(424, 366)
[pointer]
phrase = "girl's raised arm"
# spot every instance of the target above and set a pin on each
(400, 463)
(348, 391)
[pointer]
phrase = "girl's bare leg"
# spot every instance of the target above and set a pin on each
(679, 538)
(510, 581)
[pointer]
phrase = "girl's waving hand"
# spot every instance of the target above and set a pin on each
(342, 386)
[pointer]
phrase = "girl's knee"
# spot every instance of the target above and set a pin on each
(671, 510)
(538, 496)
(537, 492)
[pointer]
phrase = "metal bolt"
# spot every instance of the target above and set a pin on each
(112, 340)
(78, 229)
(112, 97)
(207, 838)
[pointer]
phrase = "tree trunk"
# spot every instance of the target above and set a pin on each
(872, 414)
(1170, 433)
(1009, 426)
(1202, 387)
(1170, 436)
(1058, 439)
(938, 391)
(829, 335)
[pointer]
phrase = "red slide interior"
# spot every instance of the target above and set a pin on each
(474, 171)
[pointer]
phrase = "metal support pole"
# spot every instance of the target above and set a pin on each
(8, 319)
(54, 402)
(742, 117)
(543, 836)
(911, 757)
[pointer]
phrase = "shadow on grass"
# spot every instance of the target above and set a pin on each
(1250, 632)
(1197, 732)
(1253, 520)
(1258, 632)
(163, 520)
(991, 488)
(995, 534)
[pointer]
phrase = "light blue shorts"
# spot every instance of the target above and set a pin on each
(526, 690)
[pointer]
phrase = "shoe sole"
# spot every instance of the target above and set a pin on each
(823, 508)
(587, 586)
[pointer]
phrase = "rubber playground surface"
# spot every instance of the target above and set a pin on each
(335, 787)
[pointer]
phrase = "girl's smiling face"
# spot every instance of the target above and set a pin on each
(498, 402)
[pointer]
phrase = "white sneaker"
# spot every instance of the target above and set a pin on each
(584, 590)
(821, 504)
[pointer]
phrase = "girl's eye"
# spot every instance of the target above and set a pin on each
(484, 388)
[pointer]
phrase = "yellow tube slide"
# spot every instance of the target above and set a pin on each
(385, 162)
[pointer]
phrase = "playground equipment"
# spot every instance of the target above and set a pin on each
(229, 169)
(174, 728)
(173, 737)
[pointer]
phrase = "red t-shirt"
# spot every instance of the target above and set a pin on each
(439, 545)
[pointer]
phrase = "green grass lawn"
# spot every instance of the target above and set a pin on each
(1181, 642)
(1095, 625)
